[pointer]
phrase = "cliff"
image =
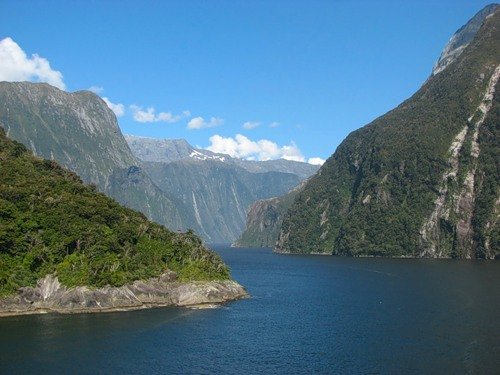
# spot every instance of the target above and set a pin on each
(421, 180)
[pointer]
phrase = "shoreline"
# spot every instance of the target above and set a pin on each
(50, 297)
(44, 311)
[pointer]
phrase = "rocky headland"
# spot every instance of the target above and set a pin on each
(50, 296)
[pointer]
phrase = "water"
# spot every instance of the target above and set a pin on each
(307, 314)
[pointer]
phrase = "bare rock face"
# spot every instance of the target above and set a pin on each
(50, 296)
(461, 39)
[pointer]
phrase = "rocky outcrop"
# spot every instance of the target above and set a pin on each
(50, 296)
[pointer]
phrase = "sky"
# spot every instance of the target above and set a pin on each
(255, 79)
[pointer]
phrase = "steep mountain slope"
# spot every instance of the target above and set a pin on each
(265, 218)
(216, 189)
(80, 132)
(52, 223)
(65, 127)
(462, 38)
(218, 194)
(422, 180)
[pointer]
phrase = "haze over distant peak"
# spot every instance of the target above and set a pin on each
(170, 150)
(461, 39)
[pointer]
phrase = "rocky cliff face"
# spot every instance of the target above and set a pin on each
(218, 195)
(461, 39)
(76, 129)
(50, 296)
(80, 132)
(422, 180)
(264, 220)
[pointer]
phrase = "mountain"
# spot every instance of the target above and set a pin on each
(162, 150)
(421, 180)
(52, 223)
(264, 220)
(218, 195)
(170, 150)
(461, 39)
(216, 189)
(80, 132)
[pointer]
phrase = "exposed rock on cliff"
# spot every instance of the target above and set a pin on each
(423, 180)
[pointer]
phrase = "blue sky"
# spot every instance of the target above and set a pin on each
(301, 74)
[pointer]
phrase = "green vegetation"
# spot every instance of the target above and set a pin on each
(485, 220)
(374, 194)
(81, 133)
(264, 220)
(51, 222)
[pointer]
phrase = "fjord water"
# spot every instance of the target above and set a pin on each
(307, 314)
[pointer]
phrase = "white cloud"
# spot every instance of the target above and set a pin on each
(96, 89)
(316, 161)
(242, 147)
(251, 125)
(186, 113)
(200, 123)
(150, 115)
(15, 65)
(274, 124)
(117, 108)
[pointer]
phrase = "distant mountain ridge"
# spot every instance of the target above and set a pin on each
(170, 150)
(216, 189)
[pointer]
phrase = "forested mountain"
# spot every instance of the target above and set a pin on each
(421, 180)
(50, 222)
(209, 193)
(80, 132)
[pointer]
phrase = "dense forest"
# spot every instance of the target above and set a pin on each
(50, 222)
(422, 180)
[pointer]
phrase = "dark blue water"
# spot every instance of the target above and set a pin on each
(307, 315)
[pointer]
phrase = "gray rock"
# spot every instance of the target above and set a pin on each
(50, 296)
(461, 39)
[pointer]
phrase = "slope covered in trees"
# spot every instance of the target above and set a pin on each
(422, 180)
(50, 222)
